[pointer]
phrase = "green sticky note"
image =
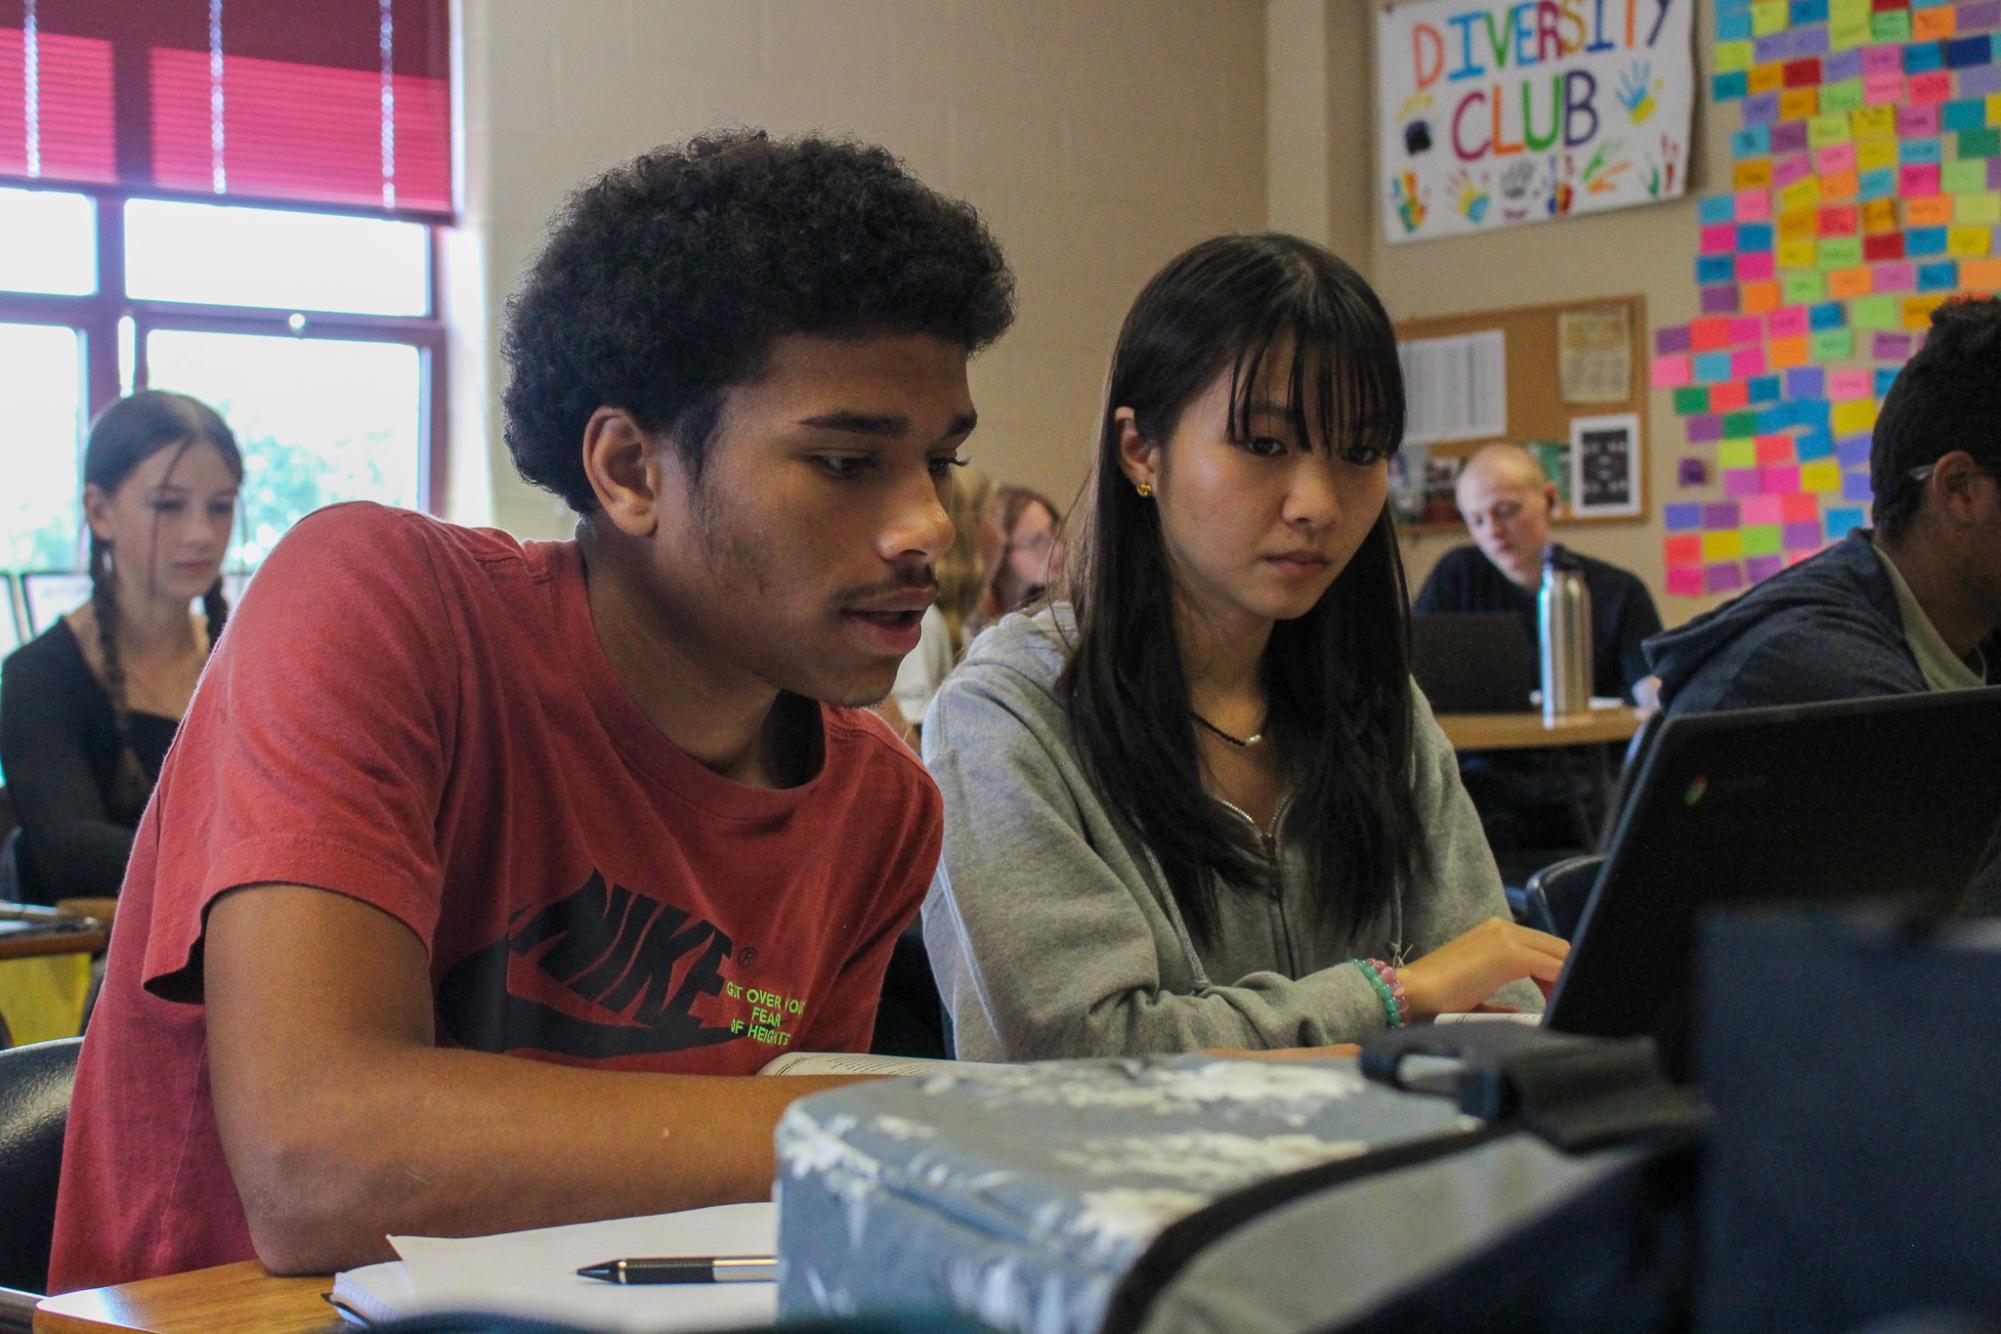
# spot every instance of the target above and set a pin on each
(1737, 454)
(1843, 96)
(1833, 345)
(1762, 540)
(1733, 57)
(1769, 16)
(1874, 312)
(1823, 131)
(1840, 252)
(1981, 210)
(1892, 25)
(1979, 143)
(1962, 178)
(1694, 398)
(1736, 424)
(1802, 287)
(1844, 34)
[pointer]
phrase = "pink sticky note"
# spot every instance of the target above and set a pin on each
(1740, 482)
(1882, 59)
(1787, 322)
(1882, 89)
(1746, 329)
(1684, 581)
(1834, 158)
(1844, 385)
(1719, 238)
(1746, 362)
(1897, 276)
(1755, 267)
(1792, 167)
(1918, 180)
(1916, 121)
(1758, 510)
(1671, 372)
(1753, 205)
(1783, 480)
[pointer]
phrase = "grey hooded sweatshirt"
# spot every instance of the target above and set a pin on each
(1051, 928)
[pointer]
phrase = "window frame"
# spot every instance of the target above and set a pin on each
(96, 316)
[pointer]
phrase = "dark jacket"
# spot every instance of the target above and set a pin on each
(1828, 628)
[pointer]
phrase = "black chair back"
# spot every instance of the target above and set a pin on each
(35, 1083)
(1564, 888)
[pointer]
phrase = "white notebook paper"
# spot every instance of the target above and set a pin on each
(534, 1273)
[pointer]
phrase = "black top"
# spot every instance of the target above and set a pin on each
(1622, 612)
(59, 747)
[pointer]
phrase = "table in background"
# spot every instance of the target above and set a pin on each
(242, 1298)
(1527, 731)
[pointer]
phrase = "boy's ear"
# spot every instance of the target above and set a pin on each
(623, 462)
(1139, 457)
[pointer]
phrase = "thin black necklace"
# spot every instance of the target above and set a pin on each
(1240, 742)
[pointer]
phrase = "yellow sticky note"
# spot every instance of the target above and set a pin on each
(1799, 104)
(1797, 224)
(1994, 108)
(1821, 475)
(1879, 216)
(1874, 122)
(1751, 174)
(1822, 131)
(1977, 210)
(1918, 310)
(1853, 417)
(1802, 193)
(1875, 154)
(1968, 242)
(1722, 546)
(1733, 57)
(1769, 16)
(1800, 253)
(1737, 454)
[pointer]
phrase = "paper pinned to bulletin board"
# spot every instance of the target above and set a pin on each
(1495, 113)
(1864, 190)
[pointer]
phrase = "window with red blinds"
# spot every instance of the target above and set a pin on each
(344, 102)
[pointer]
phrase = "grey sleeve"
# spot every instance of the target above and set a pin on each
(1463, 886)
(1046, 946)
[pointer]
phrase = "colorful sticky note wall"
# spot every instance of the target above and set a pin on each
(1864, 190)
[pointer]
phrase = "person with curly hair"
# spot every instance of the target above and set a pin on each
(484, 871)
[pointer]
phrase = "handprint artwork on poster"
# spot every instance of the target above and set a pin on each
(1495, 114)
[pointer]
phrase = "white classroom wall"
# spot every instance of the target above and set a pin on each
(1098, 137)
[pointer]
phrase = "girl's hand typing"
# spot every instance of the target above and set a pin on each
(1460, 974)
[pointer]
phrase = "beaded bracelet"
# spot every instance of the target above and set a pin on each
(1389, 990)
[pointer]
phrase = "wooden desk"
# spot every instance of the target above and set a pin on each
(29, 944)
(229, 1299)
(1527, 731)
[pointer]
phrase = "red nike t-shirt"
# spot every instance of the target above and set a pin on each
(421, 717)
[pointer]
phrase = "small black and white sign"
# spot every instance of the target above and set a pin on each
(1604, 466)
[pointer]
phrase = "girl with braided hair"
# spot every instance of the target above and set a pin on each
(88, 708)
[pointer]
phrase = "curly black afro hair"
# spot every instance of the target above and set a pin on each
(666, 280)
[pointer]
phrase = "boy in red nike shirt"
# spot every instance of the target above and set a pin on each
(482, 872)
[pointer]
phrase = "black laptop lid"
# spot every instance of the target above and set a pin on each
(1473, 662)
(1891, 801)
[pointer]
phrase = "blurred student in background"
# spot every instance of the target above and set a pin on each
(1200, 803)
(88, 708)
(1032, 559)
(965, 581)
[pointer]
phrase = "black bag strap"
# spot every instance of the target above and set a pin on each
(1576, 1093)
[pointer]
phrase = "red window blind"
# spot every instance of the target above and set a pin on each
(344, 102)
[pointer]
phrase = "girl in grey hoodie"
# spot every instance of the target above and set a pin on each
(1200, 804)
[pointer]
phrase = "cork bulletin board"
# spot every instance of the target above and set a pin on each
(1569, 381)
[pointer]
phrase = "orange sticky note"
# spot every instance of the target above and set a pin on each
(1759, 297)
(1928, 211)
(1783, 354)
(1766, 78)
(1801, 224)
(1930, 24)
(1799, 103)
(1980, 275)
(1879, 216)
(1845, 283)
(1752, 174)
(1841, 185)
(1917, 315)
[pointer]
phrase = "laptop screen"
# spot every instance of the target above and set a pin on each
(1892, 801)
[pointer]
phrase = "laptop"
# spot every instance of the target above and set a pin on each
(1890, 803)
(1473, 662)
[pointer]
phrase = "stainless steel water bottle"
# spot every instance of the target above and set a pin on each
(1564, 613)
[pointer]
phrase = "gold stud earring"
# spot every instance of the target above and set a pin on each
(1145, 489)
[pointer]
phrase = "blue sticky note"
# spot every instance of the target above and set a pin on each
(1923, 57)
(1715, 269)
(1763, 389)
(1878, 184)
(1924, 241)
(1681, 516)
(1812, 413)
(1716, 208)
(1732, 7)
(1919, 152)
(1712, 367)
(1729, 87)
(1853, 451)
(1960, 52)
(1754, 237)
(1965, 114)
(1827, 315)
(1753, 142)
(1773, 420)
(1734, 27)
(1806, 382)
(1842, 520)
(1813, 445)
(1809, 11)
(1885, 377)
(1938, 277)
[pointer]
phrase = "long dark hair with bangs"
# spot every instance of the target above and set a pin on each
(1337, 679)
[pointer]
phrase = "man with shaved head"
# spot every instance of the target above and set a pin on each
(1507, 502)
